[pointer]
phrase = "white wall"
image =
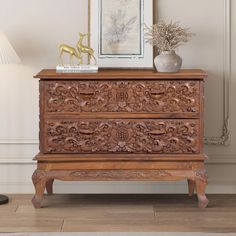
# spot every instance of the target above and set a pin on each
(36, 28)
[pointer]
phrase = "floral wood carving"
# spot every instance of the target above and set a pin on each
(122, 136)
(122, 96)
(202, 175)
(121, 174)
(38, 175)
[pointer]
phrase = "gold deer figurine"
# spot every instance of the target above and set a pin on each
(85, 49)
(64, 48)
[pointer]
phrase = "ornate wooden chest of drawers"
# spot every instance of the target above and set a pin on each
(121, 125)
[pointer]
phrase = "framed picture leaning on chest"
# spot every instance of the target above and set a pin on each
(117, 32)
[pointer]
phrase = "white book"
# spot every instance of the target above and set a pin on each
(77, 68)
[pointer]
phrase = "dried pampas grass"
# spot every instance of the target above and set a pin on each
(167, 36)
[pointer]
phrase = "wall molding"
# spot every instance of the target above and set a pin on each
(221, 159)
(25, 186)
(19, 161)
(27, 160)
(224, 139)
(19, 141)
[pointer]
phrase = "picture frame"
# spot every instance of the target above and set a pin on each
(116, 32)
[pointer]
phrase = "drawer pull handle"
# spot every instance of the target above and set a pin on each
(157, 132)
(156, 95)
(86, 132)
(87, 93)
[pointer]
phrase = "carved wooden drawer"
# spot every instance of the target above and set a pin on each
(149, 96)
(121, 136)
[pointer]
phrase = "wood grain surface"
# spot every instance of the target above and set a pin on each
(110, 74)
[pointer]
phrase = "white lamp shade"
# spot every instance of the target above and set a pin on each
(7, 53)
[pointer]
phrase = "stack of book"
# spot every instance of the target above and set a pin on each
(77, 69)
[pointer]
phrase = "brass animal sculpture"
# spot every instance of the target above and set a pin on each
(64, 48)
(85, 49)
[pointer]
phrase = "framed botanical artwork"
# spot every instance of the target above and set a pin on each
(117, 32)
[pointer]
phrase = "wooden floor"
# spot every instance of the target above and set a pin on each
(145, 213)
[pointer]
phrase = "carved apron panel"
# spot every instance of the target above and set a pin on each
(121, 136)
(122, 96)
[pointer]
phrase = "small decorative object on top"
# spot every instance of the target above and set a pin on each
(77, 52)
(166, 37)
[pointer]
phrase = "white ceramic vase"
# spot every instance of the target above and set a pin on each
(168, 61)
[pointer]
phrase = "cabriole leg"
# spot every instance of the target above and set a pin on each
(201, 183)
(49, 186)
(39, 181)
(191, 187)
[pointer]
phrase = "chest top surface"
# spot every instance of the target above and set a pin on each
(116, 74)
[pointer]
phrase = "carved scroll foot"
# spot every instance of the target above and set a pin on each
(37, 201)
(202, 201)
(191, 187)
(201, 183)
(49, 186)
(39, 181)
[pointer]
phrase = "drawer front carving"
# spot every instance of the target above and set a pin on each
(121, 136)
(122, 96)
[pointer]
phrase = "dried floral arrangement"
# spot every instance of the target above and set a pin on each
(167, 36)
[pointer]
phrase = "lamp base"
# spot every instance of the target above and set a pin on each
(3, 199)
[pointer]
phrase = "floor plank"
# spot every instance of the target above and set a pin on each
(11, 207)
(20, 223)
(83, 212)
(119, 213)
